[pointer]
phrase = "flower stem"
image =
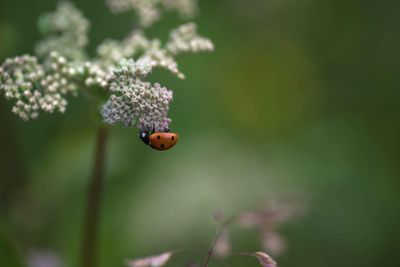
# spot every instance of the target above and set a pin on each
(224, 225)
(93, 202)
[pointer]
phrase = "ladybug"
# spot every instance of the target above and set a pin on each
(158, 140)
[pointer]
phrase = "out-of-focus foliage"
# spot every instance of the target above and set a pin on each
(8, 250)
(300, 96)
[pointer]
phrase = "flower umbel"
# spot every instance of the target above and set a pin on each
(113, 80)
(133, 100)
(150, 11)
(36, 87)
(65, 31)
(186, 39)
(61, 66)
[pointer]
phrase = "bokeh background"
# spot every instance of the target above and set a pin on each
(299, 97)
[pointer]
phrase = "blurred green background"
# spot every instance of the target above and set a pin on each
(299, 97)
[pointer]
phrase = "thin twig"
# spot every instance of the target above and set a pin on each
(225, 224)
(220, 231)
(93, 204)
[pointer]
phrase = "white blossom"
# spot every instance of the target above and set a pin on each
(32, 87)
(43, 87)
(150, 11)
(151, 261)
(66, 32)
(61, 67)
(135, 101)
(111, 51)
(186, 39)
(186, 8)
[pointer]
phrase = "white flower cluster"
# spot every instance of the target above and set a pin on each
(135, 101)
(26, 81)
(186, 39)
(132, 100)
(160, 57)
(66, 32)
(119, 68)
(149, 11)
(186, 8)
(42, 87)
(111, 51)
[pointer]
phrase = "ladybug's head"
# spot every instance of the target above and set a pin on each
(144, 136)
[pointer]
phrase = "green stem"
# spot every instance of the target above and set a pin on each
(93, 203)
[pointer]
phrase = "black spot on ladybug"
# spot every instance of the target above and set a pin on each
(162, 146)
(172, 138)
(158, 137)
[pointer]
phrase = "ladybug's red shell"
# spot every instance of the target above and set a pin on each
(163, 141)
